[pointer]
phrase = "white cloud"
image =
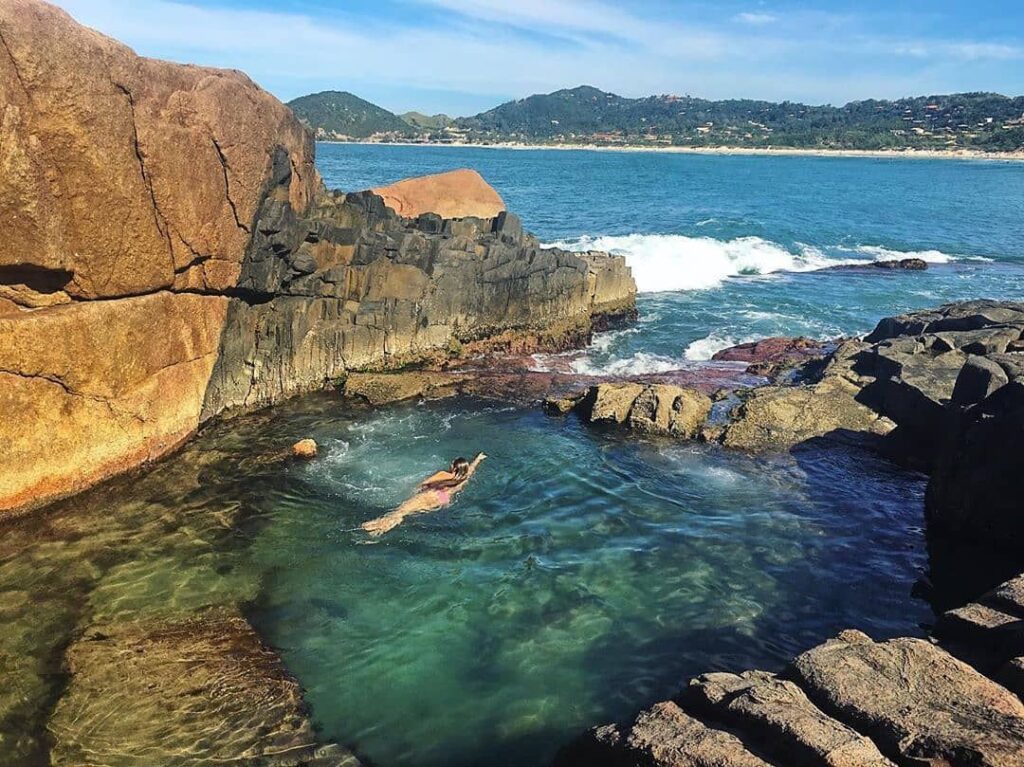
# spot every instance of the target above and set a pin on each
(491, 48)
(755, 19)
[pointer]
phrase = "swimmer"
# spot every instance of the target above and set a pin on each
(433, 493)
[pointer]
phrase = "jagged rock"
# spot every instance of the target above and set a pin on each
(610, 403)
(455, 194)
(651, 408)
(666, 409)
(778, 417)
(784, 721)
(978, 378)
(966, 315)
(974, 490)
(990, 631)
(200, 691)
(916, 701)
(662, 736)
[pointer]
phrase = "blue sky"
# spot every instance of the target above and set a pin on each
(464, 56)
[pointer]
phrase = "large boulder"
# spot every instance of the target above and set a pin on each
(651, 408)
(456, 194)
(916, 701)
(171, 255)
(779, 417)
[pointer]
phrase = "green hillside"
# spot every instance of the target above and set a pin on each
(339, 114)
(969, 120)
(421, 121)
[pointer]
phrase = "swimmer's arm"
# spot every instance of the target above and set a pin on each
(476, 462)
(441, 475)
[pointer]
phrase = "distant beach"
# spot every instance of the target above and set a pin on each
(917, 154)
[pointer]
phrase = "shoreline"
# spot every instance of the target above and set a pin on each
(881, 154)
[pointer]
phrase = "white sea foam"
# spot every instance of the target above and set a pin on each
(672, 262)
(641, 363)
(705, 348)
(878, 253)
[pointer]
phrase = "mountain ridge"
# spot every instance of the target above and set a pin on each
(587, 115)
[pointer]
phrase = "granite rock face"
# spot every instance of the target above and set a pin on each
(169, 238)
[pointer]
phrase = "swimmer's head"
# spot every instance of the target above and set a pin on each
(460, 467)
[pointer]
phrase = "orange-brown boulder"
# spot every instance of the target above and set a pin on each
(456, 194)
(120, 174)
(95, 388)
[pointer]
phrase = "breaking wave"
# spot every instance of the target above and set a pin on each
(675, 262)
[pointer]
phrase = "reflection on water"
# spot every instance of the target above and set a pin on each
(578, 577)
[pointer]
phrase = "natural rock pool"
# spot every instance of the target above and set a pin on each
(580, 576)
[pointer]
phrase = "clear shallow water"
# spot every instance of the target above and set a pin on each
(581, 575)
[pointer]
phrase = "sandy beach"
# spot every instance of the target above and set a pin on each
(917, 154)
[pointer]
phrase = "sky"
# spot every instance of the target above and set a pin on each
(461, 57)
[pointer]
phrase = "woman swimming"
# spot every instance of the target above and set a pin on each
(431, 494)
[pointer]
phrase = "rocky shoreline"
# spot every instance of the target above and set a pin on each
(174, 258)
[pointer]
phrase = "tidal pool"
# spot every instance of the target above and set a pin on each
(580, 576)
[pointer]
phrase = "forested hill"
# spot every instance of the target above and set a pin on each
(341, 115)
(981, 120)
(586, 115)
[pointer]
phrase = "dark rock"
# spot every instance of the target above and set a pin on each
(916, 701)
(978, 378)
(508, 226)
(662, 736)
(1011, 676)
(783, 720)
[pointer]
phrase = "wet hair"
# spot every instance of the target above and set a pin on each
(459, 469)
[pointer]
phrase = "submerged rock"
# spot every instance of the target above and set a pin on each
(203, 690)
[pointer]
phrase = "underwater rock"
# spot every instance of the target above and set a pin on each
(203, 690)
